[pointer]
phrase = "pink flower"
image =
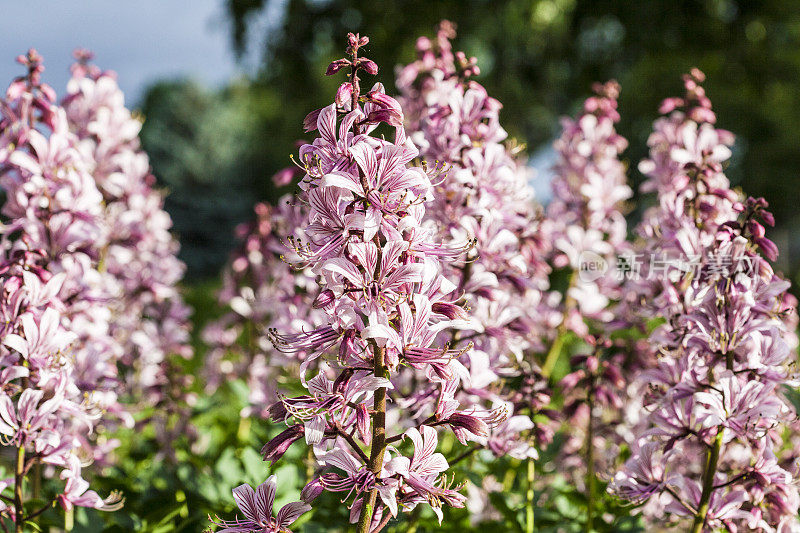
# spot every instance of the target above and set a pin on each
(256, 506)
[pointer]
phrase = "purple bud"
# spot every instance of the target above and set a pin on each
(756, 229)
(369, 66)
(471, 423)
(275, 448)
(362, 423)
(385, 115)
(323, 299)
(310, 122)
(768, 248)
(342, 380)
(311, 491)
(277, 411)
(450, 310)
(336, 66)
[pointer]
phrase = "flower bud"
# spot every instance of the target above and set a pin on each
(323, 299)
(276, 447)
(336, 66)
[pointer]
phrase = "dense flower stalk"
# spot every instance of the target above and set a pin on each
(589, 189)
(149, 319)
(717, 389)
(484, 197)
(384, 298)
(59, 374)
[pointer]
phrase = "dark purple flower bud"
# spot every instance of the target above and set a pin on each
(336, 66)
(450, 310)
(277, 411)
(342, 380)
(362, 423)
(384, 101)
(275, 448)
(756, 229)
(386, 115)
(577, 360)
(779, 503)
(471, 423)
(311, 491)
(767, 218)
(369, 66)
(348, 344)
(310, 122)
(323, 299)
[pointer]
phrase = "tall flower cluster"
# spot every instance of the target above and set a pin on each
(589, 233)
(59, 373)
(385, 301)
(589, 189)
(716, 392)
(484, 197)
(150, 318)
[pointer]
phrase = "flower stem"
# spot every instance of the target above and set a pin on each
(558, 342)
(19, 478)
(465, 455)
(378, 443)
(590, 475)
(552, 355)
(529, 494)
(708, 482)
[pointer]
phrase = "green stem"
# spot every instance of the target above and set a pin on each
(708, 482)
(590, 475)
(529, 496)
(552, 355)
(712, 458)
(19, 478)
(558, 342)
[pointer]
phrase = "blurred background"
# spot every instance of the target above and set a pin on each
(224, 84)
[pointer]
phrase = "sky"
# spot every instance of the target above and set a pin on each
(142, 40)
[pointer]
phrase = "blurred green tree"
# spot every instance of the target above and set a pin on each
(207, 149)
(540, 57)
